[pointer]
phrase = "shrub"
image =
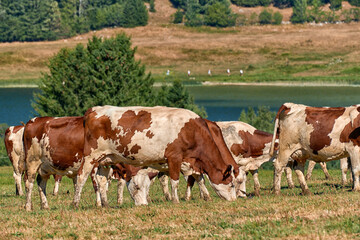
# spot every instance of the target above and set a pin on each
(152, 6)
(178, 16)
(277, 18)
(335, 5)
(253, 18)
(354, 2)
(299, 12)
(251, 3)
(355, 12)
(283, 3)
(265, 17)
(261, 118)
(219, 15)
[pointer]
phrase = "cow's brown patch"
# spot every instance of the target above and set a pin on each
(149, 134)
(135, 149)
(17, 128)
(132, 123)
(9, 145)
(282, 112)
(195, 142)
(253, 144)
(351, 131)
(322, 120)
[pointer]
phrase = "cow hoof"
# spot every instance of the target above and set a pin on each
(257, 193)
(276, 193)
(187, 198)
(105, 205)
(207, 198)
(176, 201)
(45, 207)
(291, 186)
(28, 207)
(307, 192)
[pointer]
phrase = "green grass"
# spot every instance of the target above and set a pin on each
(331, 212)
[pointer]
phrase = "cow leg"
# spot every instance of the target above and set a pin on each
(279, 165)
(310, 169)
(355, 165)
(299, 170)
(324, 168)
(204, 193)
(344, 169)
(41, 181)
(101, 178)
(120, 190)
(83, 174)
(57, 184)
(255, 175)
(17, 178)
(174, 173)
(30, 174)
(241, 185)
(164, 182)
(190, 183)
(288, 172)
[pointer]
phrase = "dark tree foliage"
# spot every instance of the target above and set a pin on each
(177, 96)
(152, 6)
(193, 17)
(105, 72)
(283, 3)
(218, 14)
(265, 17)
(35, 20)
(178, 16)
(299, 12)
(261, 118)
(251, 3)
(135, 12)
(4, 160)
(277, 18)
(335, 5)
(354, 2)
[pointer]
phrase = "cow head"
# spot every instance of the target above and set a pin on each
(138, 187)
(226, 188)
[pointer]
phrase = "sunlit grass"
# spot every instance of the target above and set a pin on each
(331, 212)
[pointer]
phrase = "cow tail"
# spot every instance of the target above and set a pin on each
(272, 146)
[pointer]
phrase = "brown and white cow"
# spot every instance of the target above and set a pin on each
(15, 149)
(318, 133)
(167, 139)
(137, 180)
(55, 146)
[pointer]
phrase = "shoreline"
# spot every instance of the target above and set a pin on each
(207, 83)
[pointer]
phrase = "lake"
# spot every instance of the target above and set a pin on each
(221, 102)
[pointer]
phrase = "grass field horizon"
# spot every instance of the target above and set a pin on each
(332, 212)
(285, 53)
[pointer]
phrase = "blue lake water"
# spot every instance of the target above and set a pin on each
(220, 102)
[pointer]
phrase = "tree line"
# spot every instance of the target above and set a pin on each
(38, 20)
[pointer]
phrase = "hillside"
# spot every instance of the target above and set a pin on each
(309, 52)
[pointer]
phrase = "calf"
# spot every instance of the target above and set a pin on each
(167, 139)
(319, 133)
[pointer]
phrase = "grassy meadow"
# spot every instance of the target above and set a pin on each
(332, 212)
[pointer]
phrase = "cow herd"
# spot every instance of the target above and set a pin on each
(135, 144)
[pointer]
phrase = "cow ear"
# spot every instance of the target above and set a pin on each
(227, 172)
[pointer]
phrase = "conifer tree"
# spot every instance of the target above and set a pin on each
(262, 118)
(177, 96)
(299, 12)
(135, 13)
(105, 72)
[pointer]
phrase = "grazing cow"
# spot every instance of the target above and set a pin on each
(138, 182)
(55, 146)
(15, 150)
(319, 133)
(167, 139)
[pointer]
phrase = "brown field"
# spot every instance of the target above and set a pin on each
(265, 52)
(332, 212)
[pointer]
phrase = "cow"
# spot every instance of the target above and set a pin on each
(311, 168)
(137, 179)
(170, 140)
(15, 149)
(55, 146)
(319, 133)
